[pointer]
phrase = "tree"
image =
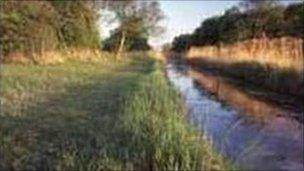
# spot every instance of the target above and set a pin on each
(132, 42)
(294, 20)
(181, 43)
(261, 13)
(257, 4)
(210, 30)
(27, 26)
(77, 23)
(30, 27)
(135, 18)
(254, 18)
(230, 26)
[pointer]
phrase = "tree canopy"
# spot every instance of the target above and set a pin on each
(252, 19)
(137, 21)
(34, 26)
(134, 42)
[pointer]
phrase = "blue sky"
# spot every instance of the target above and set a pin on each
(185, 16)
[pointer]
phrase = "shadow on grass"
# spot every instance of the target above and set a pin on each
(78, 129)
(280, 87)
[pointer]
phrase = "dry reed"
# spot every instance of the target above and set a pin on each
(57, 56)
(283, 53)
(277, 64)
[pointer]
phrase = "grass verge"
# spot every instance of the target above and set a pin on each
(109, 115)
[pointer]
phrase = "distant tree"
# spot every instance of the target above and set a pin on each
(274, 22)
(132, 42)
(208, 32)
(182, 43)
(262, 13)
(232, 26)
(294, 20)
(257, 4)
(135, 18)
(251, 19)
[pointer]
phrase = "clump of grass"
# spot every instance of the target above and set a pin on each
(157, 132)
(96, 115)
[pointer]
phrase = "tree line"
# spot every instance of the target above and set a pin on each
(251, 19)
(34, 26)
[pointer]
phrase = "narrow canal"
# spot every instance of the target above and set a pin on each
(251, 133)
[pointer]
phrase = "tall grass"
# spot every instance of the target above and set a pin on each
(97, 115)
(47, 57)
(159, 134)
(277, 64)
(283, 53)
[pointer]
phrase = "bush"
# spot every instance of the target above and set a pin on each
(30, 27)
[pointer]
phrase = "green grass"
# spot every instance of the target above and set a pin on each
(109, 115)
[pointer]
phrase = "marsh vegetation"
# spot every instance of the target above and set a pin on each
(71, 99)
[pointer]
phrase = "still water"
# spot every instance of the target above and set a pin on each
(254, 135)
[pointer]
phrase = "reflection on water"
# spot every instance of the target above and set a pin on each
(253, 134)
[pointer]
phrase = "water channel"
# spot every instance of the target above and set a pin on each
(253, 134)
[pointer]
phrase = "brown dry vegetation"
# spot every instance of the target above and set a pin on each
(57, 56)
(277, 64)
(285, 52)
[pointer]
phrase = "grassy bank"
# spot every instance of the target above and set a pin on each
(95, 116)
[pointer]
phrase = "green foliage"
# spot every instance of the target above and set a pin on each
(294, 17)
(137, 21)
(134, 42)
(258, 19)
(27, 26)
(209, 31)
(36, 26)
(77, 23)
(137, 16)
(181, 43)
(132, 30)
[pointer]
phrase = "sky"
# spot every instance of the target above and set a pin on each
(183, 16)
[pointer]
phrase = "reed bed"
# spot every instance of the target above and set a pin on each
(277, 64)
